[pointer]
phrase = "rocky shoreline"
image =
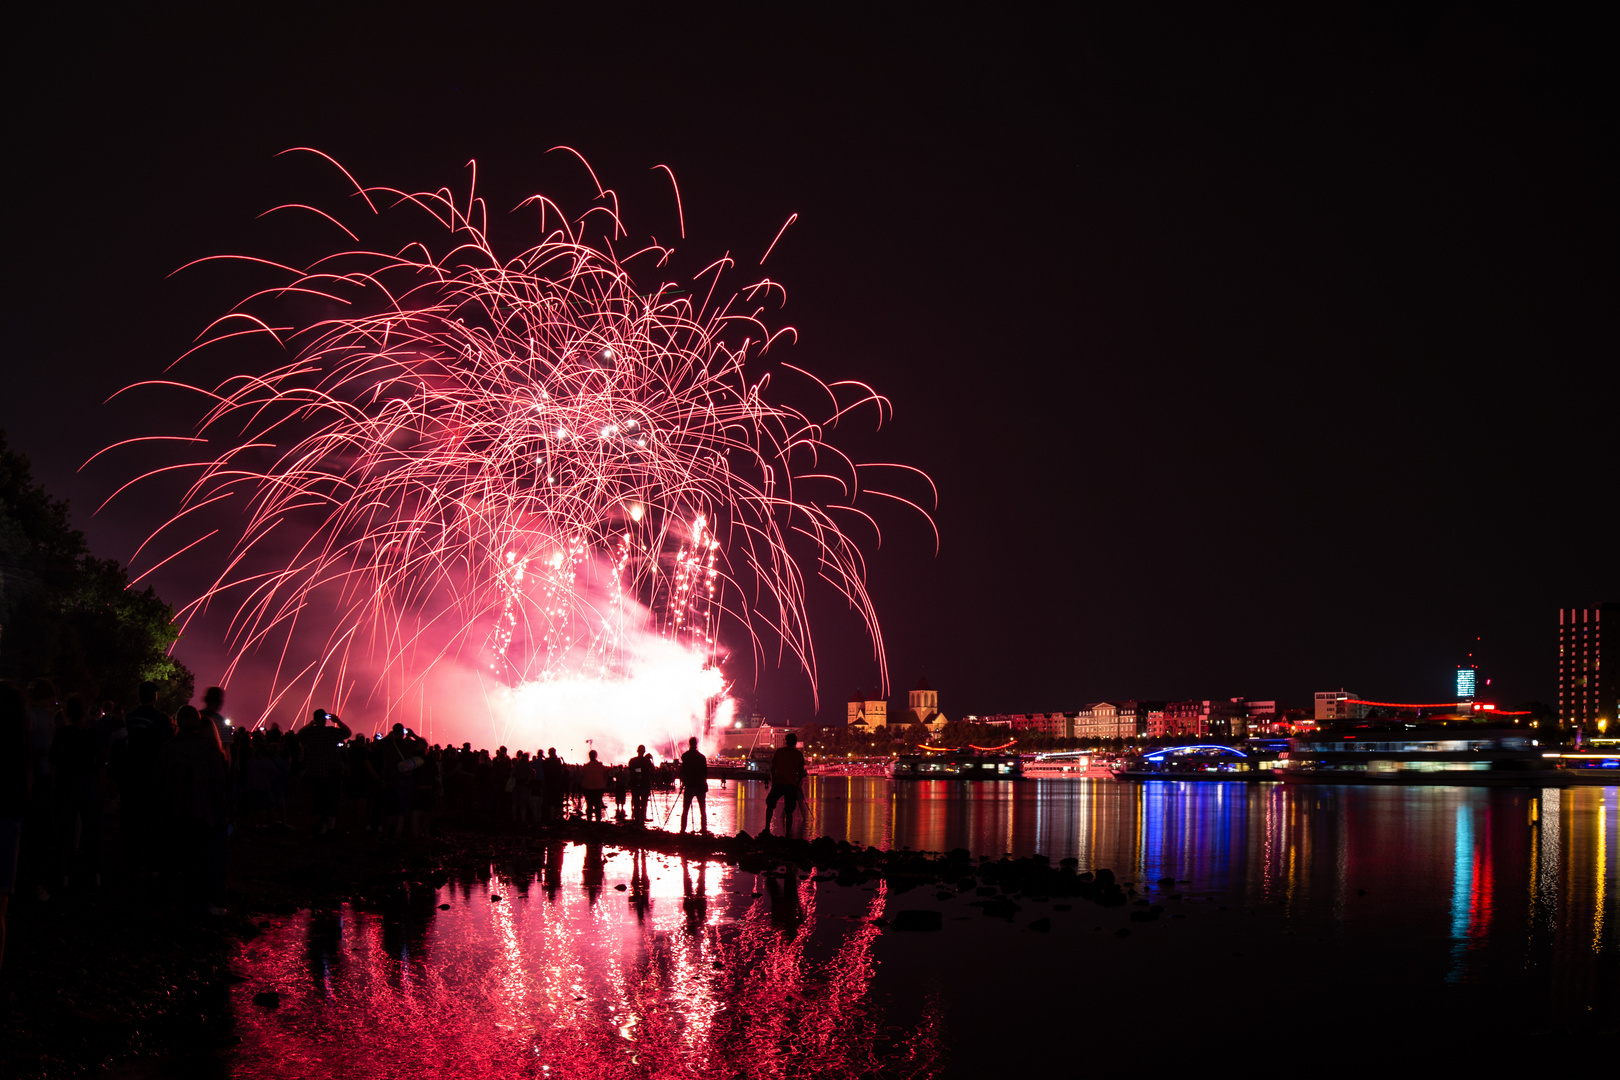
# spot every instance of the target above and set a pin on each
(123, 982)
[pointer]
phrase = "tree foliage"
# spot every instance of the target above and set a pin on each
(68, 616)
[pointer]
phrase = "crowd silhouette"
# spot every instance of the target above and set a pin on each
(173, 790)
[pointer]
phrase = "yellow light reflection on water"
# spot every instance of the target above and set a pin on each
(1602, 872)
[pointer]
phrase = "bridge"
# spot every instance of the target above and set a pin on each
(1201, 749)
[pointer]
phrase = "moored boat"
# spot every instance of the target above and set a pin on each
(1455, 755)
(1204, 761)
(1067, 765)
(957, 765)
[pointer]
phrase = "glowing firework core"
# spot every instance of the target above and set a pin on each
(523, 467)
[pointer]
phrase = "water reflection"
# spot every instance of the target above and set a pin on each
(629, 963)
(1471, 889)
(683, 972)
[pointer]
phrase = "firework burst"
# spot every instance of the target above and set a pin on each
(532, 466)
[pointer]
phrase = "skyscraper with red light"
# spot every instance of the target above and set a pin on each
(1586, 697)
(1468, 682)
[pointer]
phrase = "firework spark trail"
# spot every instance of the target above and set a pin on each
(516, 463)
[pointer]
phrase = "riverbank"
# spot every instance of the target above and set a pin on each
(1252, 899)
(124, 978)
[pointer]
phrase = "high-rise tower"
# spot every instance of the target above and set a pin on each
(1586, 697)
(1468, 675)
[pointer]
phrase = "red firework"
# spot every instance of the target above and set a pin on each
(513, 462)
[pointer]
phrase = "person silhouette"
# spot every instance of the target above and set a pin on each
(694, 897)
(787, 774)
(213, 712)
(593, 782)
(694, 784)
(641, 778)
(556, 784)
(640, 883)
(594, 873)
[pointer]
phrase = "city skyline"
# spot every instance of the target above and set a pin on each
(1187, 363)
(560, 540)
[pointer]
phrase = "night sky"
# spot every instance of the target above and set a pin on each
(1253, 353)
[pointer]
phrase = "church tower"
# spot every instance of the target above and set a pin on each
(870, 713)
(924, 701)
(923, 706)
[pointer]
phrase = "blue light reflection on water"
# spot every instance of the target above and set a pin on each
(1464, 886)
(1465, 862)
(1460, 889)
(1462, 872)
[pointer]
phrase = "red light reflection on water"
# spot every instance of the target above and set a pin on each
(682, 973)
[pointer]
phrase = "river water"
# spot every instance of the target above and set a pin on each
(1443, 910)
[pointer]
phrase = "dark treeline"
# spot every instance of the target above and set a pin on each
(70, 617)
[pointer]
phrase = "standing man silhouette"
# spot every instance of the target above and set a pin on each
(694, 784)
(593, 780)
(787, 773)
(213, 712)
(641, 778)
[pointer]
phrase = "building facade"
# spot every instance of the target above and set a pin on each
(1587, 699)
(1209, 718)
(923, 706)
(1099, 720)
(743, 738)
(1259, 717)
(1037, 723)
(1334, 705)
(1056, 723)
(1125, 720)
(870, 713)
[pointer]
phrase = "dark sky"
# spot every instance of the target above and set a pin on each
(1253, 352)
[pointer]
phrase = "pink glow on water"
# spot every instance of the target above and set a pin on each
(682, 973)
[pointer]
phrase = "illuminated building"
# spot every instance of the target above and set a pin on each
(1467, 677)
(1057, 723)
(745, 737)
(1206, 719)
(923, 707)
(1338, 705)
(1257, 717)
(1140, 713)
(1104, 720)
(1183, 718)
(1468, 681)
(1117, 719)
(869, 713)
(1585, 698)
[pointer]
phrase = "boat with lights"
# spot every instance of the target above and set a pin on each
(972, 763)
(1465, 754)
(1200, 761)
(1067, 765)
